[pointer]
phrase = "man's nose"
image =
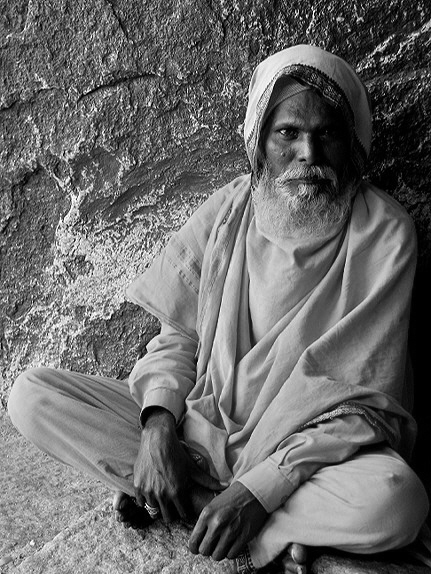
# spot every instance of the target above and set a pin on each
(308, 149)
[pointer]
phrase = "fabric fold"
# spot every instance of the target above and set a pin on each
(337, 337)
(343, 342)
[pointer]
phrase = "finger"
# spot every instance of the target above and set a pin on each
(140, 500)
(139, 497)
(144, 499)
(151, 500)
(236, 548)
(223, 546)
(171, 508)
(209, 542)
(183, 506)
(165, 510)
(197, 535)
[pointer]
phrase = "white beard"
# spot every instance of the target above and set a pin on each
(286, 209)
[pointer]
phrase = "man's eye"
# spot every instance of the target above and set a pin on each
(332, 133)
(288, 133)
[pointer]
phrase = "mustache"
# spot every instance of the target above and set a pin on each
(311, 173)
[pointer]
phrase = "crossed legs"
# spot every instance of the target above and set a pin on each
(370, 503)
(88, 422)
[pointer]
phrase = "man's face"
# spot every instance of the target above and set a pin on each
(306, 184)
(305, 130)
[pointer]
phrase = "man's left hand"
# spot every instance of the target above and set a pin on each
(227, 523)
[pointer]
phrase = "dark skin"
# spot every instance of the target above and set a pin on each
(164, 475)
(306, 130)
(303, 129)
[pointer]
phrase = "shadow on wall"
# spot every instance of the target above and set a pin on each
(420, 352)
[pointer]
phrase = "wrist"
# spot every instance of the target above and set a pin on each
(243, 494)
(157, 417)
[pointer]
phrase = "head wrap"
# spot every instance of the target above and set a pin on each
(285, 88)
(332, 77)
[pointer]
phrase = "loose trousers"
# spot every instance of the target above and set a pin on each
(370, 503)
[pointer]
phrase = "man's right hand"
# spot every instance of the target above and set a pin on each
(163, 470)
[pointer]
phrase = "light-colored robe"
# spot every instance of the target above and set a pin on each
(280, 358)
(341, 338)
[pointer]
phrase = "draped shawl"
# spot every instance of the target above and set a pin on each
(339, 348)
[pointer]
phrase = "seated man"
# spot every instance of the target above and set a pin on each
(274, 403)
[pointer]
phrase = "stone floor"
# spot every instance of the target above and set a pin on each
(55, 521)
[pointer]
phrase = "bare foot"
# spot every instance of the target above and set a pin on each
(294, 561)
(128, 513)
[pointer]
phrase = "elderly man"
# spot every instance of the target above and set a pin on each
(274, 403)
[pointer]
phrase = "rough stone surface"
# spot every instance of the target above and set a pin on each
(333, 564)
(116, 550)
(39, 497)
(117, 119)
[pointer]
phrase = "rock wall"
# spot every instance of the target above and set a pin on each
(118, 117)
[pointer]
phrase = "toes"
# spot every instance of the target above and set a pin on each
(291, 567)
(128, 513)
(298, 552)
(123, 521)
(120, 500)
(294, 560)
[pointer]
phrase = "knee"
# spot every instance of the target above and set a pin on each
(25, 397)
(398, 508)
(410, 507)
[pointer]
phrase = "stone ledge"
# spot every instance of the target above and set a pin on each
(333, 564)
(53, 498)
(96, 543)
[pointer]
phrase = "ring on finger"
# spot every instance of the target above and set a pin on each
(153, 511)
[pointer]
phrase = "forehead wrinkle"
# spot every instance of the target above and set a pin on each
(305, 110)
